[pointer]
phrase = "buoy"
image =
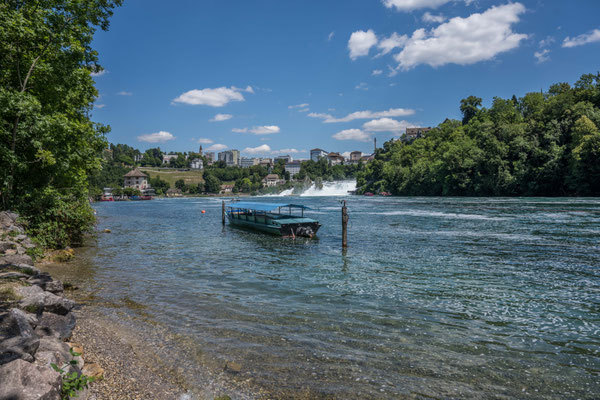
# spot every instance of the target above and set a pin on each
(203, 211)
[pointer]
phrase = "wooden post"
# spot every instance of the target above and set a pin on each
(344, 225)
(223, 212)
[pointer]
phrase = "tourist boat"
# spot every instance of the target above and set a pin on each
(272, 218)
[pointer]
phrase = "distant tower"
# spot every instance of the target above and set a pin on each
(375, 145)
(200, 151)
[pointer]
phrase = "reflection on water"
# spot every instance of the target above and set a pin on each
(451, 298)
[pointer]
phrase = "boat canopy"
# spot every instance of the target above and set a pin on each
(248, 205)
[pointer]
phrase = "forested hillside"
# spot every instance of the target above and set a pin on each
(542, 144)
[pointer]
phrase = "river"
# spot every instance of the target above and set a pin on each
(434, 298)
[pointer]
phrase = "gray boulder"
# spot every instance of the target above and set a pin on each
(35, 299)
(58, 326)
(5, 245)
(45, 281)
(52, 350)
(11, 275)
(15, 259)
(7, 219)
(25, 381)
(17, 337)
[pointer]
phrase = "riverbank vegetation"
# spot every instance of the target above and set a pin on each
(542, 144)
(48, 143)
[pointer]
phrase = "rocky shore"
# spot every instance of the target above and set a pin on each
(36, 322)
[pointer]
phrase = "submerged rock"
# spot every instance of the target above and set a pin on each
(25, 381)
(15, 259)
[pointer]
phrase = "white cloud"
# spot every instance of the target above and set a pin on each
(590, 37)
(410, 5)
(361, 42)
(216, 147)
(221, 117)
(361, 86)
(464, 41)
(346, 154)
(99, 105)
(240, 130)
(386, 125)
(157, 137)
(124, 93)
(217, 97)
(352, 134)
(429, 17)
(377, 72)
(303, 105)
(265, 130)
(262, 149)
(542, 56)
(303, 110)
(286, 151)
(330, 36)
(99, 73)
(392, 112)
(390, 43)
(547, 42)
(204, 141)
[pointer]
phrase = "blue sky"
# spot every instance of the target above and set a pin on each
(271, 77)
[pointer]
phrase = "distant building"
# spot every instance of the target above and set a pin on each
(266, 162)
(246, 162)
(293, 168)
(335, 158)
(365, 159)
(355, 156)
(138, 157)
(174, 192)
(135, 179)
(210, 156)
(226, 189)
(287, 158)
(272, 180)
(231, 157)
(316, 154)
(415, 133)
(200, 150)
(197, 163)
(168, 157)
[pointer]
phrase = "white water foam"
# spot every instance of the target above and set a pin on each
(423, 213)
(340, 188)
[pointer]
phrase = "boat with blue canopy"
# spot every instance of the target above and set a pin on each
(280, 219)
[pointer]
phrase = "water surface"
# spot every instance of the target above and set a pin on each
(435, 297)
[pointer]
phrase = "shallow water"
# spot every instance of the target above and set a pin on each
(435, 297)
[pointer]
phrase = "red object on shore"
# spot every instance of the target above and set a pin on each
(369, 194)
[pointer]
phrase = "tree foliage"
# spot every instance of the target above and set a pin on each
(48, 143)
(543, 144)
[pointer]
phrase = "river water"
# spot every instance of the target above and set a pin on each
(434, 298)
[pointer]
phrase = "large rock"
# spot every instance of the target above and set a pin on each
(45, 281)
(17, 337)
(58, 326)
(7, 219)
(5, 245)
(25, 381)
(15, 259)
(35, 299)
(52, 350)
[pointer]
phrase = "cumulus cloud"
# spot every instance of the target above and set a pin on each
(542, 56)
(392, 112)
(262, 149)
(361, 42)
(221, 117)
(204, 141)
(377, 72)
(352, 134)
(390, 43)
(429, 17)
(464, 41)
(386, 125)
(99, 73)
(124, 93)
(303, 105)
(590, 37)
(265, 130)
(217, 97)
(157, 137)
(410, 5)
(217, 147)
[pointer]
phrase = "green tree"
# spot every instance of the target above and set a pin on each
(212, 184)
(48, 144)
(180, 184)
(469, 108)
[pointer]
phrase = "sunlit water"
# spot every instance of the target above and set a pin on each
(435, 297)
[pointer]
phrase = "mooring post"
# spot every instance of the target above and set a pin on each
(223, 212)
(344, 224)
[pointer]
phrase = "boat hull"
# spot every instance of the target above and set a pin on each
(293, 228)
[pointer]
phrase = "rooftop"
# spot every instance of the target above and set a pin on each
(135, 173)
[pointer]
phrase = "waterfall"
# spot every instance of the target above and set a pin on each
(339, 188)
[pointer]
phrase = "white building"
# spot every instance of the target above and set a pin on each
(248, 162)
(168, 157)
(136, 179)
(231, 157)
(210, 156)
(272, 180)
(197, 163)
(316, 154)
(293, 168)
(287, 158)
